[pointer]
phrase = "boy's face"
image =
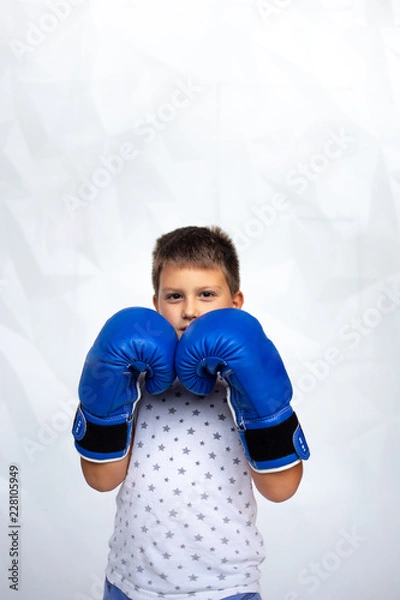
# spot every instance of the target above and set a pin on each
(186, 293)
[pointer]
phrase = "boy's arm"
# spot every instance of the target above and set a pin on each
(105, 476)
(279, 486)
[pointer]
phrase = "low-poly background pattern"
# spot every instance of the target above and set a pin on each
(279, 121)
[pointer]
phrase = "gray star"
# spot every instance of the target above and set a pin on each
(191, 431)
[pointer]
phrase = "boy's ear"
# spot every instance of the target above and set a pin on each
(238, 299)
(155, 302)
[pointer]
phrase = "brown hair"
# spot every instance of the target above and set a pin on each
(201, 247)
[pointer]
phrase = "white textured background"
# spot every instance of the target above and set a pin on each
(278, 120)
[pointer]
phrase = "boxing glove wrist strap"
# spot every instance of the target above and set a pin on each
(101, 440)
(276, 447)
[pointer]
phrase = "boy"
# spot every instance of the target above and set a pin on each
(185, 522)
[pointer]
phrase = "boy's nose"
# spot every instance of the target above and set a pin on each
(190, 310)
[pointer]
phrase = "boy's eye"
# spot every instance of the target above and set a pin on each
(207, 294)
(174, 296)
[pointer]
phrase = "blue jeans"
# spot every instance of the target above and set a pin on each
(113, 593)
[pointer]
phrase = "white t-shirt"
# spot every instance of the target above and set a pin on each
(185, 521)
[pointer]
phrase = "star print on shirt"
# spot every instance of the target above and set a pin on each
(185, 504)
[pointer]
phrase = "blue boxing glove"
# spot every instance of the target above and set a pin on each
(231, 342)
(133, 341)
